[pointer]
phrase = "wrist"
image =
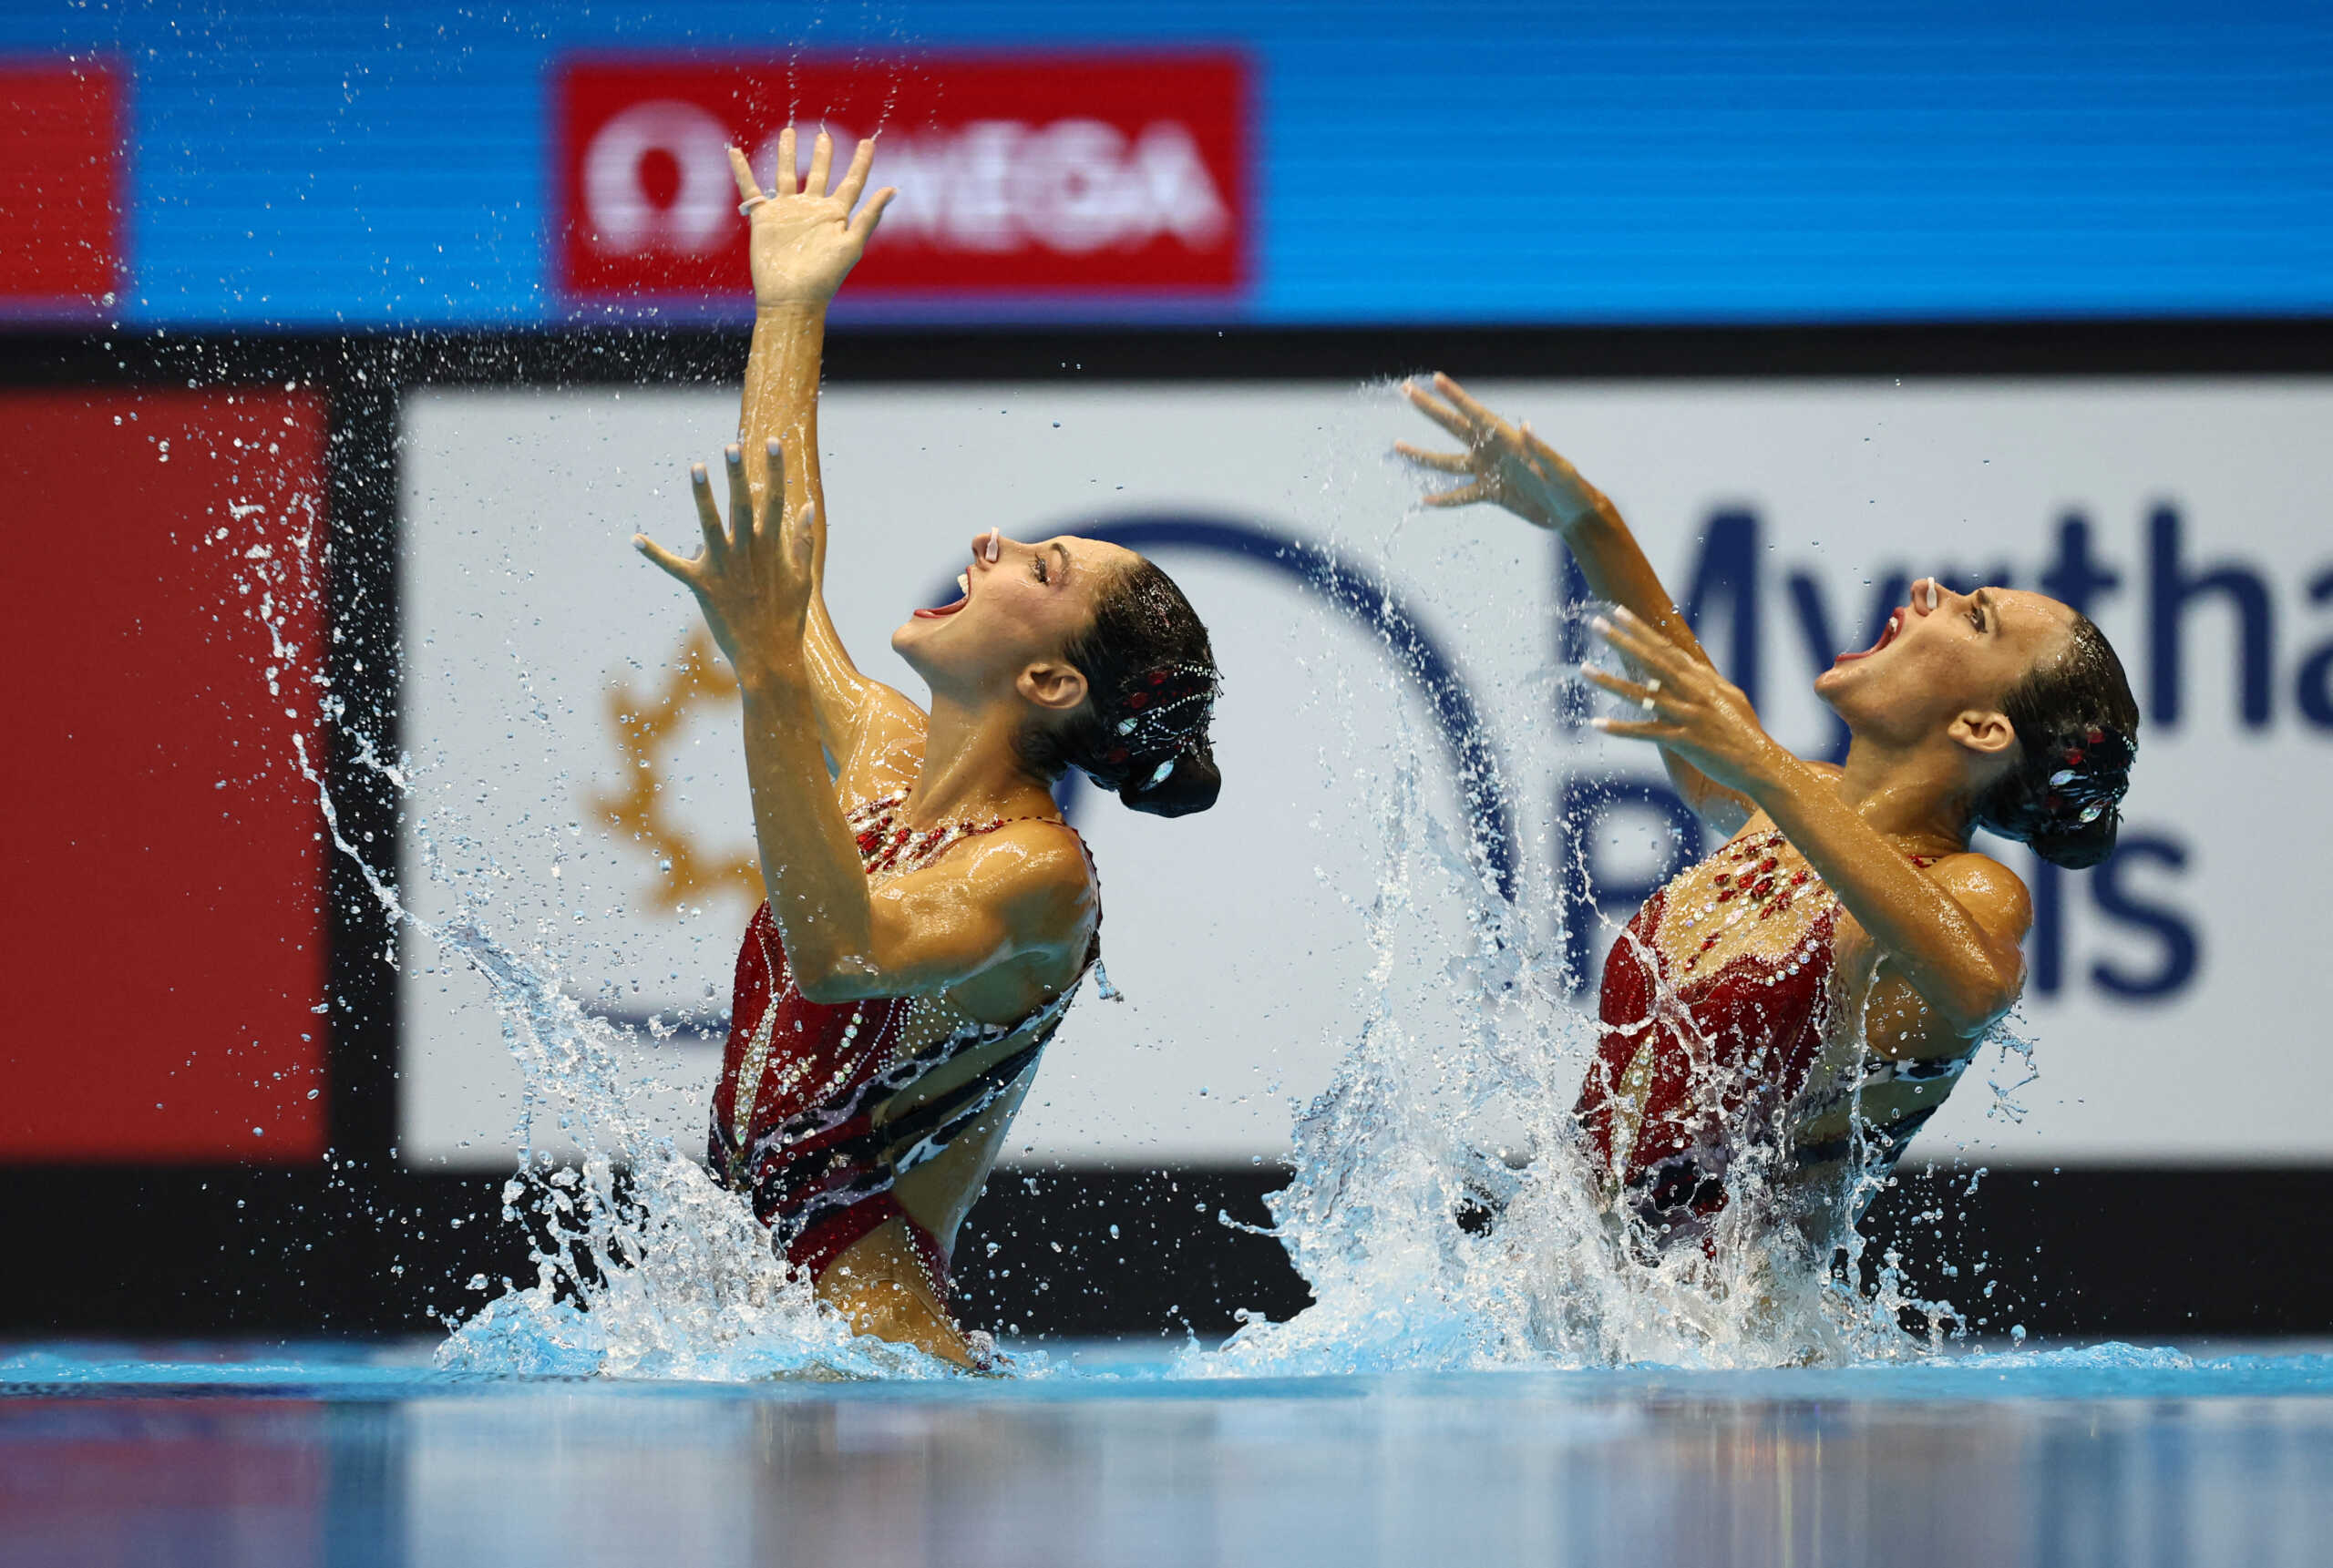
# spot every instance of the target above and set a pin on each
(773, 678)
(807, 309)
(1584, 515)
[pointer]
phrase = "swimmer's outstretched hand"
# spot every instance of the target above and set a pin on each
(753, 579)
(1506, 463)
(805, 242)
(1688, 707)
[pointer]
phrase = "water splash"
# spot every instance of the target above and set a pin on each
(1445, 1214)
(1440, 1207)
(644, 1266)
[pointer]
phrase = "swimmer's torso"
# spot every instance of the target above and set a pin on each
(837, 1117)
(1732, 1011)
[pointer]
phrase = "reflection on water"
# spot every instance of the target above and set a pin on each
(1780, 1468)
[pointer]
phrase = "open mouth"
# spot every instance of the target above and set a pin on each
(1886, 635)
(940, 613)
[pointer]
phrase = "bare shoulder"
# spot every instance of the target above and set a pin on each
(1987, 890)
(1027, 881)
(1038, 868)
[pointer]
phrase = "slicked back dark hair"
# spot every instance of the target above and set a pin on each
(2076, 733)
(1150, 679)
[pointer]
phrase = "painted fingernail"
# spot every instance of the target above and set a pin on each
(735, 452)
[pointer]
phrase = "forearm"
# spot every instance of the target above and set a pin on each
(781, 401)
(1616, 568)
(810, 864)
(781, 404)
(1960, 969)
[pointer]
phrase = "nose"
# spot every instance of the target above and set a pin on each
(1928, 594)
(988, 546)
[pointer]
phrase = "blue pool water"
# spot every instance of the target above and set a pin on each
(2108, 1455)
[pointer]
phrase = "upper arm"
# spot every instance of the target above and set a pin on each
(1019, 892)
(880, 747)
(1898, 1022)
(838, 692)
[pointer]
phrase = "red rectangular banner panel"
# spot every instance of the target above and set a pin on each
(162, 935)
(60, 184)
(1018, 176)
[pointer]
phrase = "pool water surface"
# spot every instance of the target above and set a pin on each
(324, 1454)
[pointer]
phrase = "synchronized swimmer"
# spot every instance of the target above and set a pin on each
(1779, 1018)
(1793, 1009)
(930, 914)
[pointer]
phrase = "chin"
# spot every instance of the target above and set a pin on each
(907, 640)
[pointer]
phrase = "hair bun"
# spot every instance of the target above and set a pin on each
(2077, 845)
(1190, 786)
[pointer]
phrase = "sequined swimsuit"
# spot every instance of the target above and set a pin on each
(1695, 1072)
(811, 1116)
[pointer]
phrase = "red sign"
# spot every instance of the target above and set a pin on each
(1027, 176)
(60, 184)
(162, 935)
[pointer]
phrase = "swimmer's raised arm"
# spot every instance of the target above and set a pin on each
(1509, 466)
(803, 243)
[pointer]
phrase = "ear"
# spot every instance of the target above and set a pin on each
(1984, 731)
(1056, 687)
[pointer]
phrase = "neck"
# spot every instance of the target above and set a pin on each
(1913, 792)
(971, 767)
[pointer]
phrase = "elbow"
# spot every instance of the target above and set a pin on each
(831, 981)
(827, 989)
(1984, 999)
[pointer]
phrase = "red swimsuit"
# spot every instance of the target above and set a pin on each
(1693, 1074)
(821, 1147)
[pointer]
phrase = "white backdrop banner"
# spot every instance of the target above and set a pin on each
(575, 771)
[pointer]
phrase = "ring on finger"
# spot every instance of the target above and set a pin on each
(1651, 690)
(745, 208)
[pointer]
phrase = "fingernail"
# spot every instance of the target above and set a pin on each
(1599, 723)
(773, 446)
(736, 454)
(696, 473)
(1601, 624)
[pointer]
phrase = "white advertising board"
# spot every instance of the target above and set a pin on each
(2171, 996)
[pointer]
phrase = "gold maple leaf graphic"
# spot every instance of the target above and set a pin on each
(698, 679)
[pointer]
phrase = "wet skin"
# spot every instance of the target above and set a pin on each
(1924, 960)
(999, 925)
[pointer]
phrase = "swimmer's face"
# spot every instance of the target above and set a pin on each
(1018, 612)
(1938, 661)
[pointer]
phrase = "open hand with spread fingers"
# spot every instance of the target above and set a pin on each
(805, 242)
(1505, 463)
(753, 579)
(1688, 708)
